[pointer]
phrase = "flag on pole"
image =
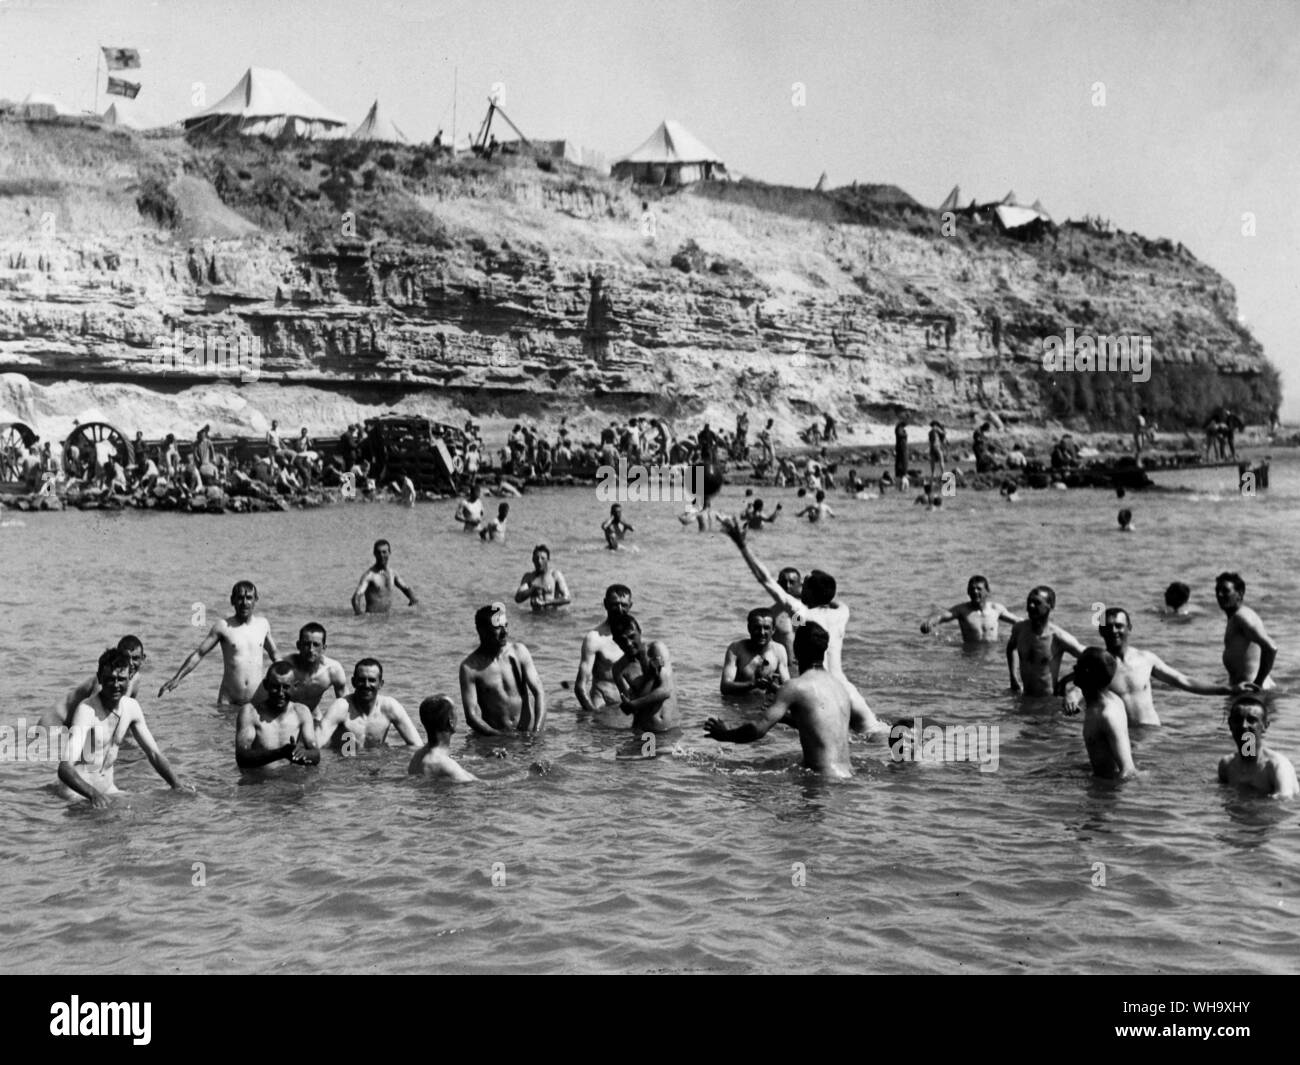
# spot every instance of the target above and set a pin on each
(121, 58)
(122, 87)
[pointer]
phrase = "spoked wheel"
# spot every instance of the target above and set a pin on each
(89, 445)
(15, 440)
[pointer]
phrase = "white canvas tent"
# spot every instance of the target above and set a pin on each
(377, 126)
(268, 103)
(118, 116)
(951, 202)
(672, 155)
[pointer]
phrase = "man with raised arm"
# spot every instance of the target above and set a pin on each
(273, 726)
(313, 671)
(1248, 650)
(757, 664)
(595, 680)
(243, 637)
(98, 726)
(978, 618)
(375, 589)
(815, 702)
(1134, 669)
(363, 718)
(499, 686)
(816, 602)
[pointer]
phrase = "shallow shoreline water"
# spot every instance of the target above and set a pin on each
(714, 858)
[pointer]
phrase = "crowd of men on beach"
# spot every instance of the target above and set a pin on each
(788, 670)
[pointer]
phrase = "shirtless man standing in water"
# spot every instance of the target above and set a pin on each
(62, 714)
(243, 637)
(1039, 644)
(544, 588)
(1134, 669)
(1248, 650)
(98, 727)
(363, 718)
(644, 676)
(377, 584)
(499, 686)
(274, 726)
(978, 618)
(815, 702)
(757, 664)
(595, 679)
(312, 671)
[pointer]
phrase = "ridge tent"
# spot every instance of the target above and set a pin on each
(672, 155)
(378, 127)
(268, 103)
(951, 201)
(117, 116)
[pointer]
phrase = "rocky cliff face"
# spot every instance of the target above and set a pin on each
(505, 287)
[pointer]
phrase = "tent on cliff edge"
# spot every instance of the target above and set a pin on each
(268, 103)
(672, 155)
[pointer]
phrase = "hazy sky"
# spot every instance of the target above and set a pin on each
(1201, 122)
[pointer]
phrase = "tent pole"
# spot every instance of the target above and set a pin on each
(99, 52)
(455, 85)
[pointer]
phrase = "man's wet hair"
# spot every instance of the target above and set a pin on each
(757, 612)
(437, 714)
(368, 663)
(623, 625)
(111, 661)
(1125, 516)
(502, 510)
(1234, 579)
(1094, 670)
(1249, 699)
(242, 586)
(379, 544)
(1048, 593)
(1112, 611)
(810, 643)
(818, 588)
(282, 668)
(541, 547)
(484, 614)
(311, 627)
(619, 591)
(781, 577)
(129, 644)
(1177, 594)
(978, 579)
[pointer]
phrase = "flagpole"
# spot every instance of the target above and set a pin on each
(455, 83)
(99, 51)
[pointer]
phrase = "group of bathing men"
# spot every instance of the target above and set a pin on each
(791, 659)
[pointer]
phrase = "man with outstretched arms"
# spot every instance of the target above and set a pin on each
(815, 702)
(243, 637)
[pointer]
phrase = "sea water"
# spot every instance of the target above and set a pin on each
(708, 857)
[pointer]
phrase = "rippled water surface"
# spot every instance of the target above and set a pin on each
(686, 862)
